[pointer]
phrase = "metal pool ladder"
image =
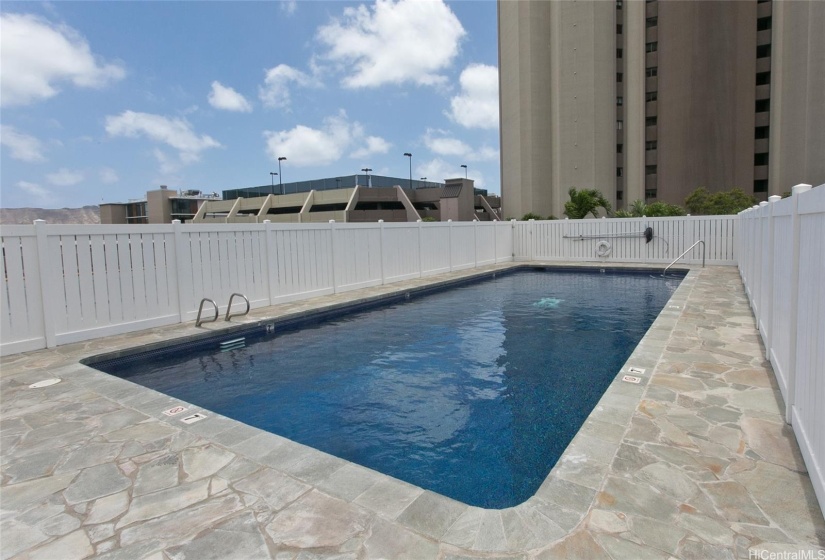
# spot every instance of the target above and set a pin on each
(229, 307)
(199, 321)
(685, 253)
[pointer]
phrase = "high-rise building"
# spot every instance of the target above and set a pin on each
(648, 100)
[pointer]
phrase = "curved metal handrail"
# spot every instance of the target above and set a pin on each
(198, 321)
(685, 253)
(229, 307)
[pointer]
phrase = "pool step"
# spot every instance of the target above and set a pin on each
(233, 344)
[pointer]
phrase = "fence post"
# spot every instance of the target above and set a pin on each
(495, 241)
(180, 270)
(381, 250)
(271, 273)
(796, 190)
(532, 239)
(48, 283)
(450, 242)
(332, 256)
(475, 243)
(767, 311)
(420, 249)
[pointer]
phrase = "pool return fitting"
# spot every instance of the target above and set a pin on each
(199, 321)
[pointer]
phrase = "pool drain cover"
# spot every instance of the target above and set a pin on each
(45, 383)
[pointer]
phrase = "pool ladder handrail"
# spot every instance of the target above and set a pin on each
(198, 320)
(229, 307)
(685, 253)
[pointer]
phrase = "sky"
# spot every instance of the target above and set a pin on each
(102, 101)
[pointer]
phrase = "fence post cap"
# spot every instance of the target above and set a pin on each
(267, 221)
(332, 221)
(763, 203)
(176, 221)
(531, 220)
(36, 222)
(774, 198)
(449, 220)
(380, 221)
(800, 188)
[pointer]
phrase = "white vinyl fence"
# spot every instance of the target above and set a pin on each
(782, 263)
(622, 240)
(68, 283)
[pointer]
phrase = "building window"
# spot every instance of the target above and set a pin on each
(619, 195)
(763, 105)
(760, 185)
(620, 101)
(760, 159)
(619, 172)
(650, 145)
(619, 148)
(651, 121)
(650, 170)
(761, 132)
(619, 28)
(652, 96)
(763, 78)
(652, 72)
(619, 77)
(650, 193)
(619, 53)
(652, 47)
(763, 51)
(619, 125)
(763, 23)
(651, 22)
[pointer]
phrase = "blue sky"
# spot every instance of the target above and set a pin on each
(102, 101)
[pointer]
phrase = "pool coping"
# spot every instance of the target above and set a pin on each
(555, 510)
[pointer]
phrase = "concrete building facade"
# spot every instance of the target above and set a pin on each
(160, 206)
(651, 99)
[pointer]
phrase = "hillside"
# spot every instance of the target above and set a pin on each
(85, 215)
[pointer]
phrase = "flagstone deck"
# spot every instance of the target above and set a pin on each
(693, 462)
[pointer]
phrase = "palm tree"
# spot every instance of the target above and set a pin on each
(584, 202)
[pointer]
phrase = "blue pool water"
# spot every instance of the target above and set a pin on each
(473, 392)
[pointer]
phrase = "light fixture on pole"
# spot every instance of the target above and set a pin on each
(367, 171)
(409, 155)
(281, 177)
(272, 174)
(465, 170)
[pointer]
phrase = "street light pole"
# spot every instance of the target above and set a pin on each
(281, 177)
(409, 155)
(272, 174)
(465, 170)
(367, 171)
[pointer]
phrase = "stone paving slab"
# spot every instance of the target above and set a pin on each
(693, 462)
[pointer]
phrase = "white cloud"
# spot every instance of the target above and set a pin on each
(477, 104)
(394, 42)
(36, 55)
(289, 6)
(38, 193)
(65, 177)
(373, 145)
(176, 133)
(226, 98)
(23, 147)
(437, 170)
(275, 91)
(305, 146)
(440, 144)
(108, 176)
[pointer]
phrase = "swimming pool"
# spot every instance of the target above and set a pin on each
(473, 392)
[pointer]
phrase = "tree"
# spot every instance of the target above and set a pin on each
(653, 210)
(584, 202)
(702, 202)
(531, 216)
